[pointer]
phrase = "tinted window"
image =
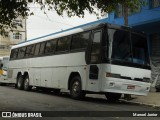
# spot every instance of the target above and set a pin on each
(80, 41)
(121, 46)
(139, 49)
(21, 52)
(37, 49)
(95, 53)
(14, 53)
(63, 44)
(42, 48)
(30, 50)
(50, 46)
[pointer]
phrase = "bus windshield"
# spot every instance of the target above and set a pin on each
(128, 46)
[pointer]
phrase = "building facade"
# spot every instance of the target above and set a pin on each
(13, 37)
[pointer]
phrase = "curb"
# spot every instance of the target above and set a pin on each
(140, 103)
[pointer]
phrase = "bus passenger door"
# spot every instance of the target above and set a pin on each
(94, 77)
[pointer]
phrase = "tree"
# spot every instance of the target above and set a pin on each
(11, 9)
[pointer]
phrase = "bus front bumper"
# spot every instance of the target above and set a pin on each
(125, 86)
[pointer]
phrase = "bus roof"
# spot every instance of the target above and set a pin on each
(58, 34)
(69, 31)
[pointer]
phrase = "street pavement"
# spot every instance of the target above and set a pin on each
(12, 99)
(152, 99)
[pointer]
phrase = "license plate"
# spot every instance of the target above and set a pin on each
(131, 87)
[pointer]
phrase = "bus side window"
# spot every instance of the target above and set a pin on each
(63, 44)
(21, 52)
(50, 46)
(30, 51)
(14, 53)
(42, 48)
(37, 49)
(80, 41)
(95, 52)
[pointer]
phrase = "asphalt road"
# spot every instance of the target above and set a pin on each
(12, 99)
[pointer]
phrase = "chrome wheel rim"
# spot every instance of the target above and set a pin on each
(76, 88)
(26, 83)
(19, 82)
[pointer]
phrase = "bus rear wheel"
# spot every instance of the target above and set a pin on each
(20, 82)
(27, 87)
(113, 97)
(76, 88)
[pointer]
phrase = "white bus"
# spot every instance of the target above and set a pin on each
(100, 58)
(3, 69)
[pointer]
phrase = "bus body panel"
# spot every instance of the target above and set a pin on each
(51, 71)
(94, 84)
(121, 86)
(130, 71)
(90, 63)
(127, 86)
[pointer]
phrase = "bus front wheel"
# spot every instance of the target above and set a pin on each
(113, 97)
(76, 88)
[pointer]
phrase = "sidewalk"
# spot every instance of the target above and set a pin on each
(152, 99)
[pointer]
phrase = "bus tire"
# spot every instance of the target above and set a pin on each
(27, 87)
(113, 97)
(76, 88)
(20, 82)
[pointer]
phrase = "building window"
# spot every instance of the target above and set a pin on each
(17, 36)
(155, 3)
(17, 22)
(2, 46)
